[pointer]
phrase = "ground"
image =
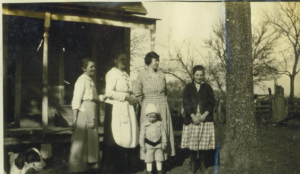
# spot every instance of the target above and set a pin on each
(278, 148)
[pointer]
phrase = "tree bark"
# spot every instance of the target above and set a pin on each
(238, 147)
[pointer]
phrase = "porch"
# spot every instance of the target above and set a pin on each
(42, 47)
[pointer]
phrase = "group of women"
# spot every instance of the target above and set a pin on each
(121, 130)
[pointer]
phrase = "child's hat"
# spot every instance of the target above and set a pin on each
(151, 108)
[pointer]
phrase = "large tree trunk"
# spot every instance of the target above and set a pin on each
(238, 147)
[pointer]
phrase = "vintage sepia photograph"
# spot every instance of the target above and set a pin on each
(150, 87)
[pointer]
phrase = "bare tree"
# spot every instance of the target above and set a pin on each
(263, 45)
(216, 73)
(137, 55)
(175, 89)
(286, 21)
(181, 58)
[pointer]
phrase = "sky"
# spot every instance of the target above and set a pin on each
(194, 20)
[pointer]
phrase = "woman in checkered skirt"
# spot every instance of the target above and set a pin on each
(198, 133)
(151, 88)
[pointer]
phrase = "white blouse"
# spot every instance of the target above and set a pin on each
(198, 88)
(84, 89)
(118, 85)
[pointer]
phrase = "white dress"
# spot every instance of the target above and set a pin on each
(85, 141)
(124, 123)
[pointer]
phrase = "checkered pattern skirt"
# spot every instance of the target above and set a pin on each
(198, 137)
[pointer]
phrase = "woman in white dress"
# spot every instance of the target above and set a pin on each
(120, 125)
(84, 152)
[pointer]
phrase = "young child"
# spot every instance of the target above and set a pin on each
(153, 140)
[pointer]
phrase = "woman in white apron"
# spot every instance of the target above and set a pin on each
(120, 126)
(84, 152)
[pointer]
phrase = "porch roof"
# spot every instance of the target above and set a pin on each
(113, 14)
(104, 7)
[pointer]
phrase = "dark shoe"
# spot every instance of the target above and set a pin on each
(202, 164)
(160, 172)
(94, 171)
(203, 168)
(192, 168)
(147, 172)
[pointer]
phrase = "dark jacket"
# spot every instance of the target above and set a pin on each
(204, 98)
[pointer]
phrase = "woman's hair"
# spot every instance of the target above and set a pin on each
(149, 56)
(198, 68)
(117, 54)
(85, 61)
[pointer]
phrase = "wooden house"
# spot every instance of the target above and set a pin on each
(43, 44)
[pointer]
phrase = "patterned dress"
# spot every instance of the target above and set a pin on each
(151, 88)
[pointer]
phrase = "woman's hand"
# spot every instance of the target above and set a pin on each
(74, 124)
(143, 150)
(203, 116)
(91, 125)
(135, 100)
(195, 119)
(131, 99)
(75, 114)
(102, 98)
(164, 147)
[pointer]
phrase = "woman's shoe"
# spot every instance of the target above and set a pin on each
(203, 168)
(202, 164)
(192, 168)
(160, 172)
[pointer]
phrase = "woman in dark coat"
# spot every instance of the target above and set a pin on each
(198, 128)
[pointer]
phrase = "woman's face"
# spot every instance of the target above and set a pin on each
(199, 76)
(90, 69)
(121, 62)
(154, 64)
(151, 117)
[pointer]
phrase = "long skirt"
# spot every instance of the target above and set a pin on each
(198, 137)
(163, 108)
(116, 159)
(84, 152)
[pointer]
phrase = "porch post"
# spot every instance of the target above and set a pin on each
(94, 54)
(127, 48)
(61, 87)
(4, 65)
(152, 37)
(45, 73)
(18, 87)
(46, 149)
